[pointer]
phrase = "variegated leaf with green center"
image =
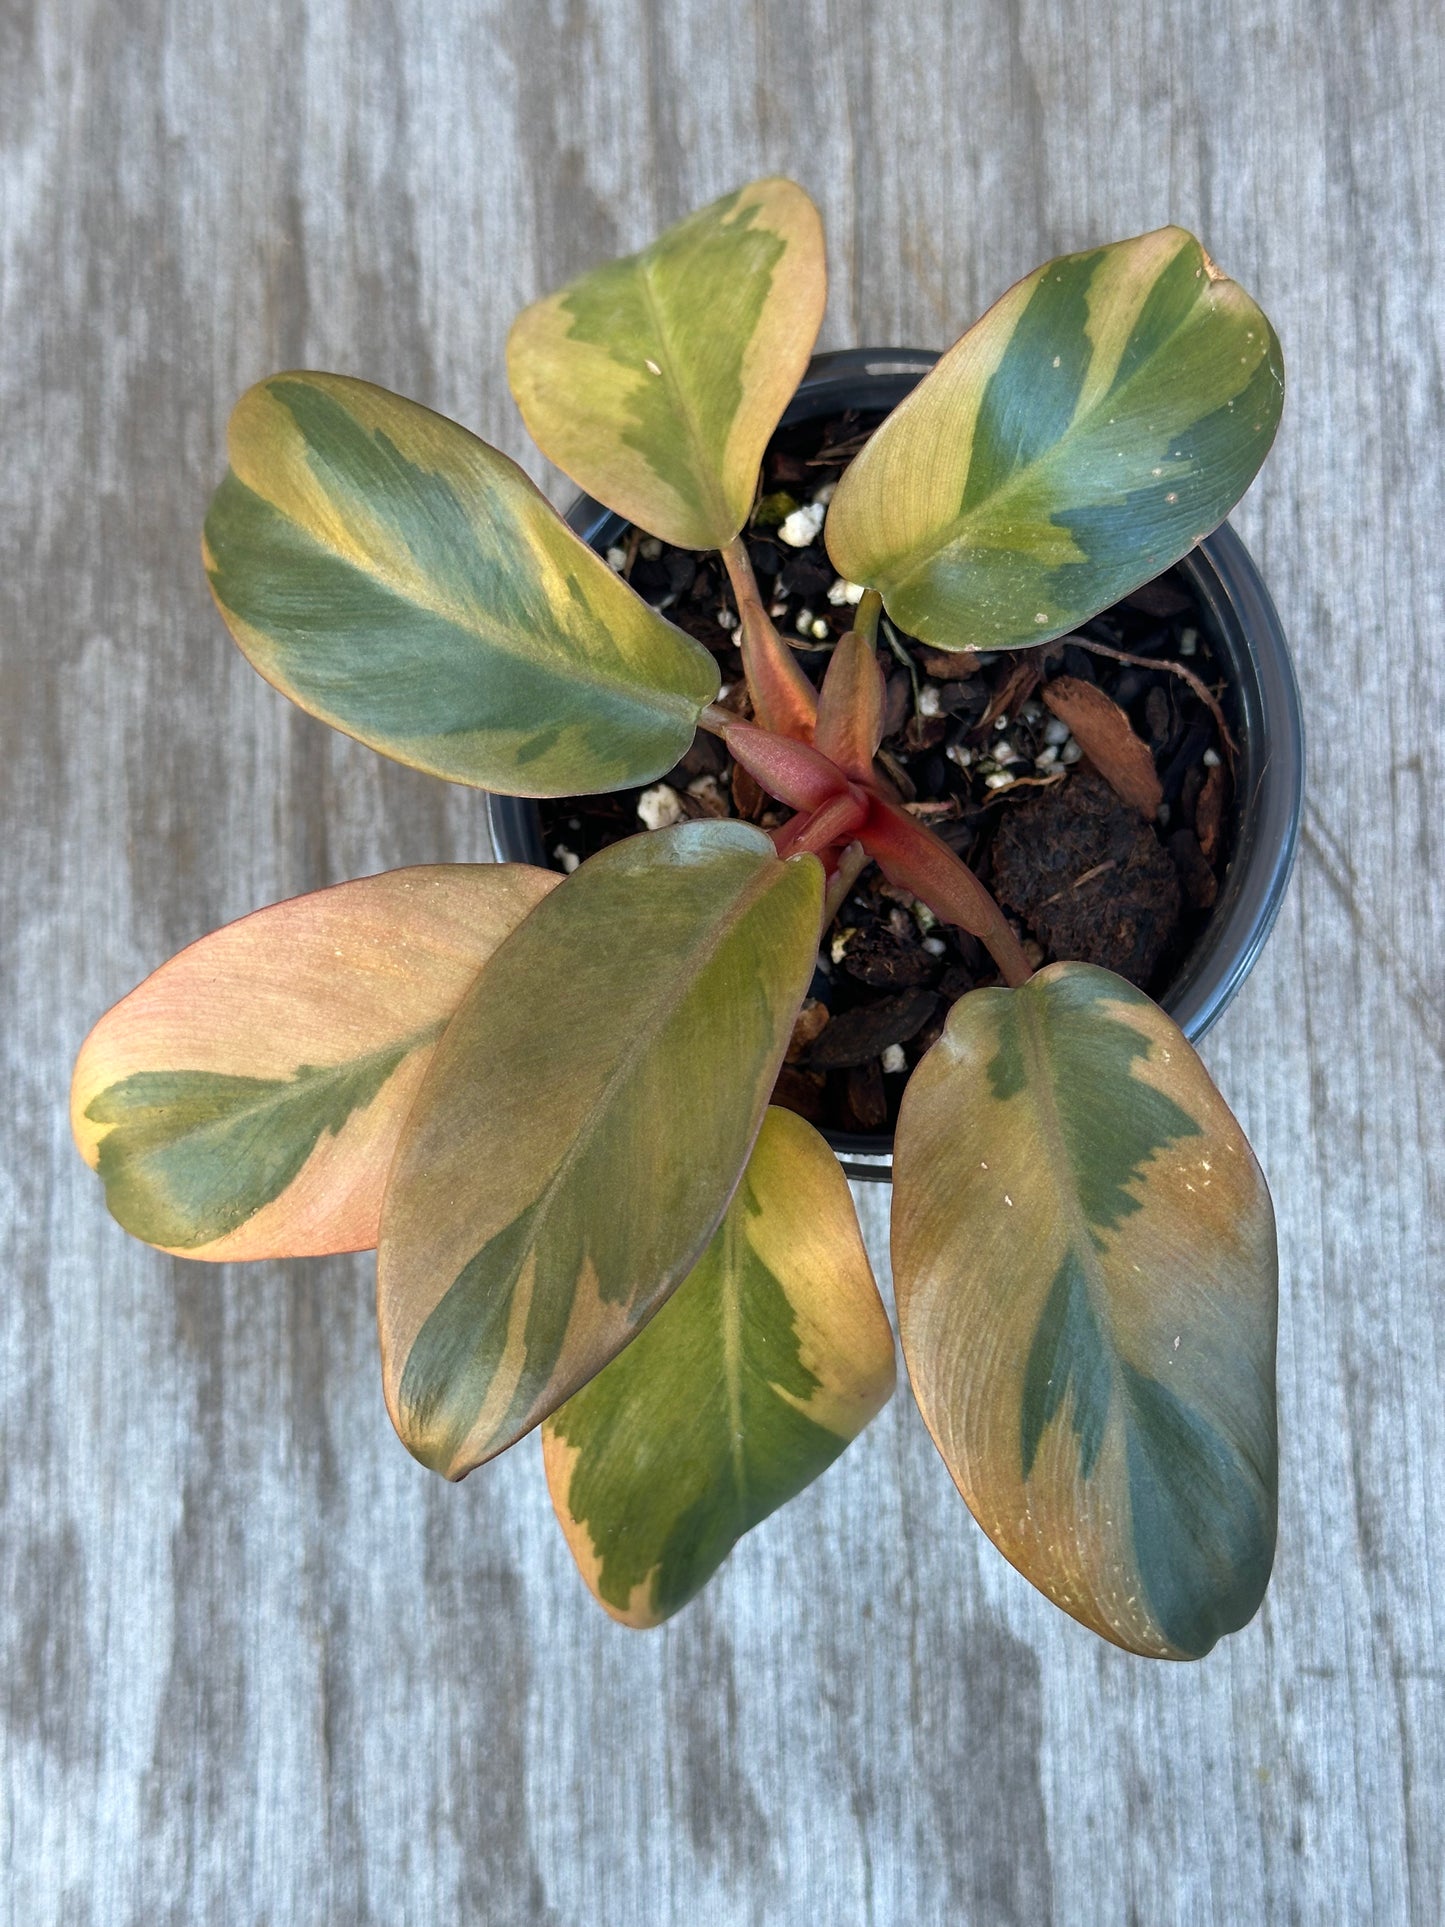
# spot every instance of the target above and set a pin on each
(582, 1127)
(409, 585)
(656, 381)
(245, 1100)
(1084, 1260)
(1102, 417)
(771, 1355)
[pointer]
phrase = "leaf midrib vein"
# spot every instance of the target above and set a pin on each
(639, 1040)
(507, 639)
(711, 499)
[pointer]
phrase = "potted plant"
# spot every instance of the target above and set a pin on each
(545, 1099)
(1229, 773)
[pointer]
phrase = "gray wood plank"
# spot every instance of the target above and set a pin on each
(257, 1665)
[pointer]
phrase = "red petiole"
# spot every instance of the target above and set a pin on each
(783, 698)
(915, 859)
(836, 810)
(839, 820)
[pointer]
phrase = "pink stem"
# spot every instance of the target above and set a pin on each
(835, 822)
(784, 701)
(913, 858)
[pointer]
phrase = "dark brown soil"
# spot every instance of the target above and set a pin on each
(974, 752)
(1089, 877)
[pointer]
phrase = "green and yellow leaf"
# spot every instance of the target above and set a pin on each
(1102, 417)
(655, 381)
(409, 585)
(1084, 1260)
(246, 1099)
(582, 1127)
(771, 1355)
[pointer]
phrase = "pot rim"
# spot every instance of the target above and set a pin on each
(1247, 635)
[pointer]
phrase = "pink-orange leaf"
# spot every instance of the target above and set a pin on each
(245, 1100)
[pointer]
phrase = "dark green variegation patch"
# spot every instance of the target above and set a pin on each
(1085, 1267)
(191, 1155)
(1101, 418)
(1067, 1359)
(1105, 1124)
(768, 1358)
(1203, 1516)
(408, 584)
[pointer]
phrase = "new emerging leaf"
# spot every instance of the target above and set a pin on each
(583, 1124)
(655, 381)
(772, 1354)
(409, 585)
(1102, 417)
(1084, 1259)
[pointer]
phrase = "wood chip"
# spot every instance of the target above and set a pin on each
(896, 702)
(1201, 886)
(1053, 778)
(1201, 689)
(951, 665)
(704, 797)
(1107, 738)
(899, 776)
(867, 1030)
(867, 1098)
(1022, 681)
(1209, 811)
(800, 1091)
(811, 1022)
(1160, 598)
(749, 798)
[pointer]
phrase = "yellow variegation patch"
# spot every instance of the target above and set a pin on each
(245, 1100)
(409, 585)
(1102, 417)
(539, 1210)
(656, 381)
(771, 1355)
(1084, 1262)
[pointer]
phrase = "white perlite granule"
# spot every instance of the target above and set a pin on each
(660, 807)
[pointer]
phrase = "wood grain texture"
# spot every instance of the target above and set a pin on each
(257, 1665)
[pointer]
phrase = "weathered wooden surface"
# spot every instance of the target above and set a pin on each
(257, 1665)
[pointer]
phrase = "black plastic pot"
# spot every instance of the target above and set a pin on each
(1262, 703)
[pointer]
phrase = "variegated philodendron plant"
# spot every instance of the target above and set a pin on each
(479, 1069)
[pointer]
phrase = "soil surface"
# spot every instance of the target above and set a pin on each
(978, 751)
